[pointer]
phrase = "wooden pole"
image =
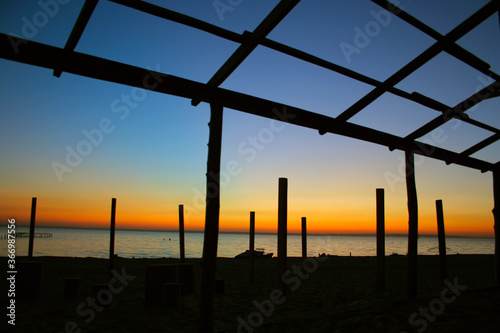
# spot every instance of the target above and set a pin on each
(411, 190)
(441, 240)
(181, 234)
(112, 236)
(380, 239)
(32, 227)
(211, 220)
(282, 231)
(496, 216)
(304, 238)
(251, 246)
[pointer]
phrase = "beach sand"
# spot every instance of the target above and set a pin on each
(337, 295)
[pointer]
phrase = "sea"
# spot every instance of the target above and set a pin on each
(73, 242)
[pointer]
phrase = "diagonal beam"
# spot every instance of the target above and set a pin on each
(167, 14)
(458, 112)
(477, 147)
(252, 41)
(173, 16)
(452, 49)
(47, 56)
(459, 31)
(78, 28)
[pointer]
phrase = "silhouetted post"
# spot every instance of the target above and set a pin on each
(112, 236)
(32, 227)
(181, 233)
(251, 246)
(282, 231)
(211, 220)
(304, 238)
(411, 190)
(496, 215)
(380, 239)
(441, 240)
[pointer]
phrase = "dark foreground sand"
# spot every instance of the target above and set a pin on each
(336, 296)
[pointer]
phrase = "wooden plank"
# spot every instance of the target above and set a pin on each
(206, 323)
(282, 231)
(380, 239)
(251, 246)
(496, 215)
(441, 44)
(181, 234)
(47, 56)
(441, 240)
(32, 227)
(112, 237)
(411, 190)
(304, 238)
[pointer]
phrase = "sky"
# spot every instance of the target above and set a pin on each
(75, 142)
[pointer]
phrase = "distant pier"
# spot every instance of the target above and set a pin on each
(27, 234)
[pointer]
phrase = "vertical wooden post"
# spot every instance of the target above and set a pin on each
(411, 190)
(251, 246)
(496, 216)
(32, 227)
(112, 236)
(380, 239)
(181, 233)
(211, 220)
(282, 231)
(304, 238)
(441, 240)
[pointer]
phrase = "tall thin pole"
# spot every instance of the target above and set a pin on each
(380, 239)
(32, 227)
(181, 233)
(496, 216)
(304, 238)
(441, 240)
(282, 231)
(112, 236)
(251, 246)
(411, 190)
(211, 220)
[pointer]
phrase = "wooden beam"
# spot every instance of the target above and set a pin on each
(42, 55)
(380, 239)
(453, 48)
(282, 231)
(78, 28)
(496, 216)
(32, 227)
(441, 240)
(251, 42)
(112, 236)
(458, 32)
(182, 248)
(304, 238)
(251, 245)
(411, 190)
(211, 235)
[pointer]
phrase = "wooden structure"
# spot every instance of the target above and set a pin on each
(441, 240)
(182, 247)
(32, 227)
(67, 60)
(380, 239)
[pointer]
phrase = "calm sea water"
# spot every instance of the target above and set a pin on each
(156, 244)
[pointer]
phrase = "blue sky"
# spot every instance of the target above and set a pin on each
(154, 154)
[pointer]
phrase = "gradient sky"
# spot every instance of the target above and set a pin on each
(153, 155)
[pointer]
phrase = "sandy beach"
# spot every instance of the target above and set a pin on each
(334, 294)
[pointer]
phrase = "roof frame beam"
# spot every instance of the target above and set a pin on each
(453, 49)
(459, 31)
(47, 56)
